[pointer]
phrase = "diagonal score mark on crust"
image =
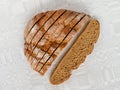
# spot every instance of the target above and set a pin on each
(82, 47)
(43, 21)
(37, 26)
(32, 23)
(63, 39)
(56, 17)
(66, 14)
(74, 14)
(79, 27)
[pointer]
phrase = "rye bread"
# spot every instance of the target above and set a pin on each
(76, 55)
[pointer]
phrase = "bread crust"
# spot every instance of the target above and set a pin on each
(31, 23)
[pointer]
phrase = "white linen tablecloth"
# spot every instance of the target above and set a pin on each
(101, 70)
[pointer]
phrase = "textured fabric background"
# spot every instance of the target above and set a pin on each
(101, 70)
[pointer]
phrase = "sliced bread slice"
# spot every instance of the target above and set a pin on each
(76, 55)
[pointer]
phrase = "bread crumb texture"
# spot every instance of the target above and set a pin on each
(77, 53)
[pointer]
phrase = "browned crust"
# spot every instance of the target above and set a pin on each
(43, 20)
(82, 47)
(42, 28)
(38, 25)
(32, 22)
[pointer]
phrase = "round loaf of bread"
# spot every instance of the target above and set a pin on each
(48, 34)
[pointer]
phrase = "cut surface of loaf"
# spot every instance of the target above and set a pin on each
(76, 55)
(47, 34)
